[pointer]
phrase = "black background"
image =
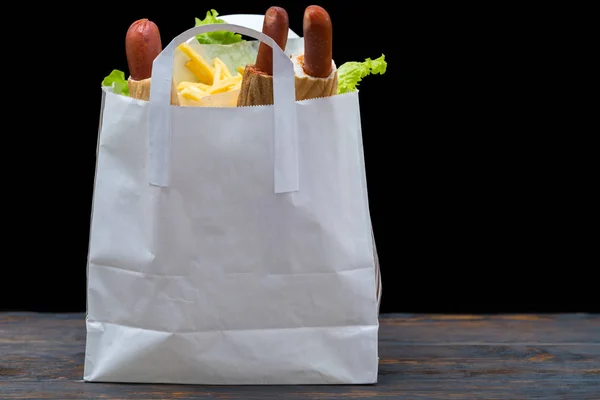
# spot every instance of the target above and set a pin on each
(472, 204)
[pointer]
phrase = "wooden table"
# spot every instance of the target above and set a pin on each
(422, 357)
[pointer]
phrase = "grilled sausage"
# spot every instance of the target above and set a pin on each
(275, 25)
(142, 45)
(317, 42)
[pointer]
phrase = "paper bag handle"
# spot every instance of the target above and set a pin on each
(284, 110)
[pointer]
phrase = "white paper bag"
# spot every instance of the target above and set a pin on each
(231, 245)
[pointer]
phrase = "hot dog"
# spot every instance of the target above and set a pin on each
(316, 73)
(257, 84)
(142, 45)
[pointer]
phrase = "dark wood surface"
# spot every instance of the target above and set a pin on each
(421, 357)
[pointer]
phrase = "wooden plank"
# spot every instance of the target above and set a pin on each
(417, 362)
(436, 357)
(405, 329)
(514, 329)
(483, 388)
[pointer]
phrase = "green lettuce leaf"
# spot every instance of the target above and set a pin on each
(218, 37)
(117, 80)
(351, 73)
